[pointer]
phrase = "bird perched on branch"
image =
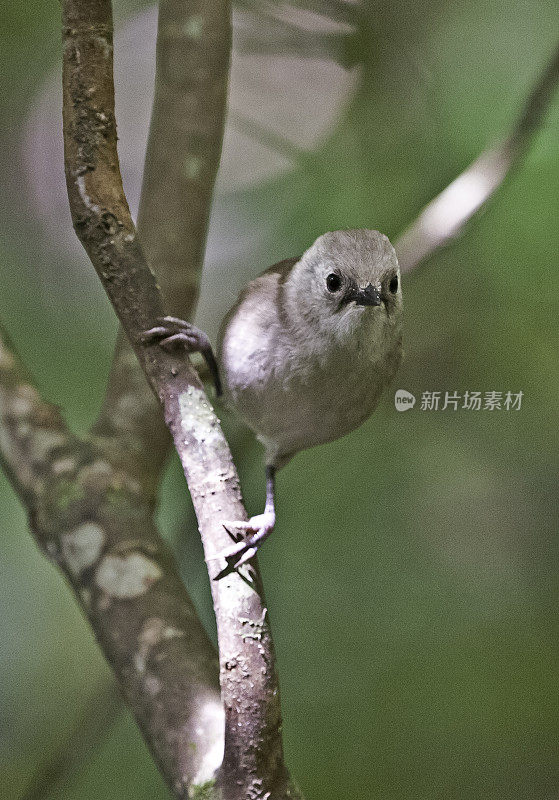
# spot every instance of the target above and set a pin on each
(305, 353)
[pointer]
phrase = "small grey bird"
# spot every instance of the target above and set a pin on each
(305, 353)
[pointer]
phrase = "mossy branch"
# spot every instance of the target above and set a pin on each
(91, 518)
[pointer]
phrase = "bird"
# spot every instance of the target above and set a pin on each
(304, 354)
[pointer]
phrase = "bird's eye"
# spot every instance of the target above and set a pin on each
(393, 285)
(333, 282)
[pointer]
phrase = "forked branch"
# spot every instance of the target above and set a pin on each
(253, 760)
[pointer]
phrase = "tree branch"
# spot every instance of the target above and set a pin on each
(181, 163)
(253, 760)
(184, 147)
(34, 439)
(443, 218)
(92, 520)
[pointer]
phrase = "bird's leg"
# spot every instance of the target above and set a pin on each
(170, 333)
(260, 527)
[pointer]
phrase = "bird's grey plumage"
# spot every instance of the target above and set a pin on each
(305, 353)
(303, 365)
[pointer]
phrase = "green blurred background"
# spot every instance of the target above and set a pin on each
(412, 576)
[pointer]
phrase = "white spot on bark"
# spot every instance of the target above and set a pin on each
(7, 361)
(210, 718)
(105, 45)
(139, 662)
(97, 468)
(194, 26)
(45, 440)
(87, 201)
(126, 576)
(192, 167)
(64, 466)
(153, 633)
(152, 685)
(21, 406)
(198, 418)
(82, 547)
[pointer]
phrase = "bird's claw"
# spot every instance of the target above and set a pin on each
(170, 332)
(260, 527)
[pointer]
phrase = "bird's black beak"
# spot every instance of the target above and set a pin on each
(369, 296)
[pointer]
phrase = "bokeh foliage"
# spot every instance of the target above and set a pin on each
(412, 577)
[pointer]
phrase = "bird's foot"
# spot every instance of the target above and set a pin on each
(259, 528)
(172, 333)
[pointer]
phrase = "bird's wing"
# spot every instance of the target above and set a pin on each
(271, 278)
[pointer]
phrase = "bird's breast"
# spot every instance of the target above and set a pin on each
(297, 398)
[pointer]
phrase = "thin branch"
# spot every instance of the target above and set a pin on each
(445, 216)
(267, 137)
(320, 32)
(346, 13)
(182, 159)
(253, 760)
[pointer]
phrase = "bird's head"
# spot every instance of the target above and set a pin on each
(347, 282)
